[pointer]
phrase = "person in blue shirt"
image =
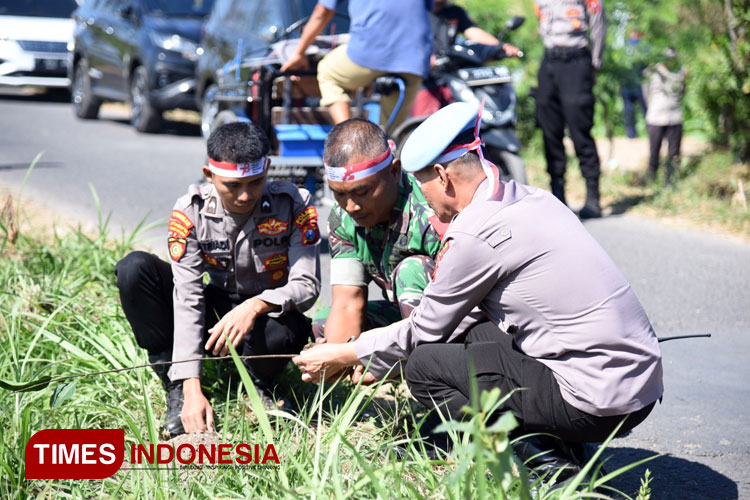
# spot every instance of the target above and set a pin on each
(636, 58)
(386, 37)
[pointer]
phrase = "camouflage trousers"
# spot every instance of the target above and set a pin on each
(408, 282)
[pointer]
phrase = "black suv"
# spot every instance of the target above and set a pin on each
(238, 29)
(139, 51)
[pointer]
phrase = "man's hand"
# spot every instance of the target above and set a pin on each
(236, 324)
(197, 414)
(366, 378)
(511, 50)
(321, 15)
(323, 359)
(296, 62)
(332, 375)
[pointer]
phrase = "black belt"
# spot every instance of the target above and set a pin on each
(566, 53)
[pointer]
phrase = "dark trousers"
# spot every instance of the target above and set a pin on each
(440, 374)
(631, 97)
(656, 135)
(565, 96)
(145, 284)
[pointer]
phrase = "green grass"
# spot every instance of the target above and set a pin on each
(60, 315)
(706, 191)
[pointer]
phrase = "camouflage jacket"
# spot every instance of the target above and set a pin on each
(359, 255)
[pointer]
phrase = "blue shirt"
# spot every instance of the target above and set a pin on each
(389, 35)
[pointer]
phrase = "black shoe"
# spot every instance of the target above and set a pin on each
(591, 210)
(557, 184)
(270, 396)
(544, 456)
(172, 421)
(436, 445)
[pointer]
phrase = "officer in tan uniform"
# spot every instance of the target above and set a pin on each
(565, 92)
(259, 244)
(563, 322)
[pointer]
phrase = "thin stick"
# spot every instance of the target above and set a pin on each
(160, 363)
(677, 337)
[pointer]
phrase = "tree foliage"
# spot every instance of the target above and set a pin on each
(711, 37)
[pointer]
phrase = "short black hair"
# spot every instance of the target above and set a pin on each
(472, 157)
(238, 142)
(363, 138)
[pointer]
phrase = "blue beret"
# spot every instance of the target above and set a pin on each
(436, 133)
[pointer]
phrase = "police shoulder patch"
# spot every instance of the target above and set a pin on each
(594, 6)
(439, 257)
(310, 233)
(177, 248)
(305, 216)
(178, 230)
(182, 219)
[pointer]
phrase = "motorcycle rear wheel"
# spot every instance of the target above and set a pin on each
(510, 164)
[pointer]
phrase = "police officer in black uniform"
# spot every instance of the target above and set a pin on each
(564, 95)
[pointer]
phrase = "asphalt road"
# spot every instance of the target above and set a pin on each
(689, 281)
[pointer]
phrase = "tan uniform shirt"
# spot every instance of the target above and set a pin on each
(565, 23)
(536, 272)
(275, 256)
(663, 90)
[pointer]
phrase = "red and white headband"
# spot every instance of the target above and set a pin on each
(236, 170)
(490, 169)
(360, 170)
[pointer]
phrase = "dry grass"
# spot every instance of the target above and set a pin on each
(711, 189)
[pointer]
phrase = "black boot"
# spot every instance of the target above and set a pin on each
(436, 445)
(544, 456)
(172, 421)
(558, 188)
(591, 209)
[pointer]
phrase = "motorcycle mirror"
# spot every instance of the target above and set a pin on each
(514, 23)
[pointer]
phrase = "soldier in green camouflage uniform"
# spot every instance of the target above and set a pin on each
(394, 249)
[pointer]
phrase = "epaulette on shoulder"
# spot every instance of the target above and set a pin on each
(195, 193)
(298, 194)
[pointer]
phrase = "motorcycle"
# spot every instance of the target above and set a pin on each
(460, 76)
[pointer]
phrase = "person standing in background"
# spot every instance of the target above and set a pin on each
(565, 92)
(664, 87)
(632, 94)
(386, 37)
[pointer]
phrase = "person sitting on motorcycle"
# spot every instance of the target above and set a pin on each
(386, 37)
(448, 21)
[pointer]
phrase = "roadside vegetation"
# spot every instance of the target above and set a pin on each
(711, 192)
(60, 316)
(712, 40)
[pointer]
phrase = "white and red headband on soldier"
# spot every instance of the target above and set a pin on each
(362, 169)
(236, 170)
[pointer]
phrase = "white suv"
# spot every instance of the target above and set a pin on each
(34, 38)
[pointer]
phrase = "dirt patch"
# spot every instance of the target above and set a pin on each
(195, 439)
(633, 154)
(27, 214)
(188, 454)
